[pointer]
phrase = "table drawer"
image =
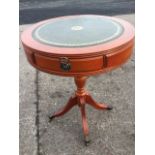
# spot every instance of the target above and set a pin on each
(117, 58)
(76, 65)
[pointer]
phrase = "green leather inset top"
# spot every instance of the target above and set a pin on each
(78, 31)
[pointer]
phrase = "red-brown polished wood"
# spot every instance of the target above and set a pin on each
(81, 98)
(87, 60)
(83, 62)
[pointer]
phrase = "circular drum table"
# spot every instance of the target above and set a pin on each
(79, 46)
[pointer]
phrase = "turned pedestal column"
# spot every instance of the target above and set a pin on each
(81, 98)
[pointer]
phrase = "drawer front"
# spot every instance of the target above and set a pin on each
(76, 65)
(117, 58)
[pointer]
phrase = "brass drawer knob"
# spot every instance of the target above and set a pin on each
(64, 64)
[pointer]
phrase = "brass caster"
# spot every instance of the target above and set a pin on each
(109, 107)
(51, 118)
(86, 140)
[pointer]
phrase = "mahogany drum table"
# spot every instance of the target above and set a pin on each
(79, 46)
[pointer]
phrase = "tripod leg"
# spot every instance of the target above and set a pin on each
(84, 124)
(100, 106)
(65, 109)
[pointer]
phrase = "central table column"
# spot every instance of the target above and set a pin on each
(81, 98)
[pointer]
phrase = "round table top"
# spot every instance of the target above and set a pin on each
(78, 34)
(78, 31)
